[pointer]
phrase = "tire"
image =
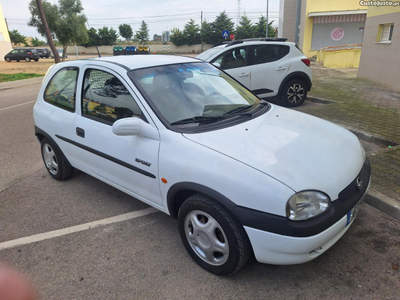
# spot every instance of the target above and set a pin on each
(17, 60)
(8, 59)
(294, 93)
(36, 60)
(55, 162)
(225, 242)
(27, 59)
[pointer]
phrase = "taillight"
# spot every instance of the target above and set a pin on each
(29, 53)
(306, 61)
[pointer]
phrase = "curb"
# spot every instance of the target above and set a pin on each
(383, 203)
(19, 83)
(319, 100)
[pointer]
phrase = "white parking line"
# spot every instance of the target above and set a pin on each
(16, 105)
(60, 232)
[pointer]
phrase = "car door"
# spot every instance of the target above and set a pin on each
(13, 55)
(21, 54)
(269, 68)
(129, 163)
(235, 62)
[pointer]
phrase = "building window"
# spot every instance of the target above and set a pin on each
(387, 32)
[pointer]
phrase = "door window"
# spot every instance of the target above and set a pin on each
(14, 52)
(61, 89)
(233, 58)
(269, 53)
(106, 99)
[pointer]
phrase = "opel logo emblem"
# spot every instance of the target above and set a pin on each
(359, 183)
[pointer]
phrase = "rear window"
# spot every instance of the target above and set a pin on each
(61, 89)
(269, 53)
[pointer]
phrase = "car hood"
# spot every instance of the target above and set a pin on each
(299, 150)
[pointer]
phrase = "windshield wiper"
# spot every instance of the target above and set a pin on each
(197, 119)
(237, 109)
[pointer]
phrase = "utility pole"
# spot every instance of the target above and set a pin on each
(47, 30)
(201, 31)
(95, 42)
(266, 33)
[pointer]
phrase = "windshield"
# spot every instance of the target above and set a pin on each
(194, 90)
(207, 54)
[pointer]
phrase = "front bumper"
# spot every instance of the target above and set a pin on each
(271, 248)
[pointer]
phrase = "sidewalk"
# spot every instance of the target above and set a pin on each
(368, 108)
(18, 83)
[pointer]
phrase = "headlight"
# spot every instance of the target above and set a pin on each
(306, 205)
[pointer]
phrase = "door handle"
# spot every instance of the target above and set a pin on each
(244, 74)
(280, 68)
(80, 132)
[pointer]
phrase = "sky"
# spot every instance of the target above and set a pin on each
(160, 15)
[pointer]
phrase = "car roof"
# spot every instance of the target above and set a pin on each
(139, 61)
(222, 46)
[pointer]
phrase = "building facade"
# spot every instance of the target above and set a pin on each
(380, 55)
(322, 23)
(5, 42)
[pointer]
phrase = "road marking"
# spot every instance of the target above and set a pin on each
(16, 105)
(60, 232)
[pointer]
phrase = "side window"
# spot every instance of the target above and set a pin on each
(269, 53)
(14, 51)
(61, 89)
(105, 98)
(233, 58)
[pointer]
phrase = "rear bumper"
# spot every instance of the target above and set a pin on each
(278, 249)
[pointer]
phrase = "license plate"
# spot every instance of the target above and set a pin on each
(351, 215)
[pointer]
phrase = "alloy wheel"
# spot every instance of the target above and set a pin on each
(206, 237)
(295, 93)
(50, 159)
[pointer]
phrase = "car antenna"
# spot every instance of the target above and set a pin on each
(95, 42)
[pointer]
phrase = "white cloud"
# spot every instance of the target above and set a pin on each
(111, 13)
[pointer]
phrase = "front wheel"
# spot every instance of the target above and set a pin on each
(36, 60)
(27, 59)
(216, 241)
(55, 162)
(8, 59)
(294, 93)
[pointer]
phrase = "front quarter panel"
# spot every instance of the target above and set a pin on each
(182, 160)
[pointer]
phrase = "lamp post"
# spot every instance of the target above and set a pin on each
(266, 32)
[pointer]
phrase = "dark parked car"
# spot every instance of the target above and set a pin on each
(44, 53)
(22, 54)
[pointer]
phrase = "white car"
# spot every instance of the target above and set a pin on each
(269, 68)
(242, 176)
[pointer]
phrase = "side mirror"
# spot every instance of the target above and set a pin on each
(218, 65)
(135, 126)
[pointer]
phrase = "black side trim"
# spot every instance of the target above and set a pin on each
(262, 91)
(106, 156)
(301, 75)
(197, 188)
(284, 226)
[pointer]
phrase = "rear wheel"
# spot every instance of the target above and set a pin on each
(216, 241)
(36, 60)
(55, 162)
(27, 59)
(294, 93)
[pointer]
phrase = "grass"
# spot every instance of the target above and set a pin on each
(17, 76)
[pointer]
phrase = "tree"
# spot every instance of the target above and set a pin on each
(65, 21)
(221, 23)
(17, 38)
(260, 28)
(107, 36)
(125, 30)
(157, 37)
(36, 42)
(143, 34)
(206, 32)
(191, 33)
(177, 37)
(245, 29)
(93, 38)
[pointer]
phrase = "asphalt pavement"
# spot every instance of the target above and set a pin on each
(143, 257)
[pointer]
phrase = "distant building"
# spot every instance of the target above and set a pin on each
(5, 42)
(380, 55)
(322, 23)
